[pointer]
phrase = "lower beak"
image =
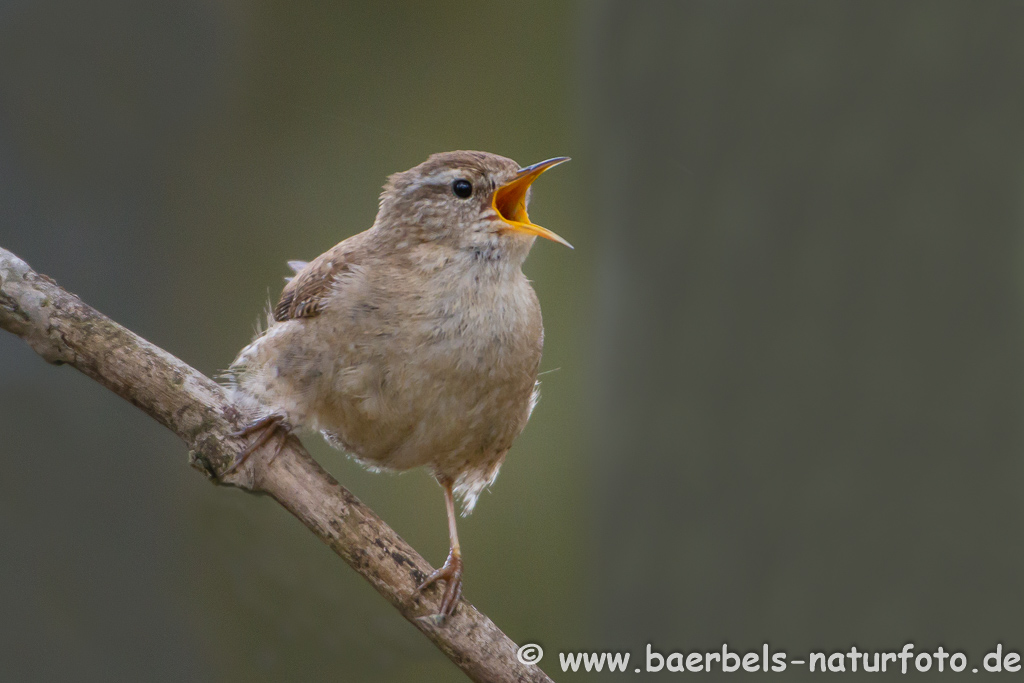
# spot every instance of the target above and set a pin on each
(510, 200)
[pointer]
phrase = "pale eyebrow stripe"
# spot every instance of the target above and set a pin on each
(442, 177)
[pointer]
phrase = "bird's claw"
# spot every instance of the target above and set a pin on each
(451, 574)
(267, 427)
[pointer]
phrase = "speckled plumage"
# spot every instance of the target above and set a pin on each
(416, 342)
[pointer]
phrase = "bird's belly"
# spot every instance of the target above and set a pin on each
(447, 405)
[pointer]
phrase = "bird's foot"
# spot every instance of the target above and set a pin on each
(451, 574)
(266, 428)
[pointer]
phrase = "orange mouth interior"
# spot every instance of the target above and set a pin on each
(510, 201)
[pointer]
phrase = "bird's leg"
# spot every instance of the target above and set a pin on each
(451, 572)
(267, 427)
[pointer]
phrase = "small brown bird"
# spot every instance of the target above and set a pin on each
(416, 342)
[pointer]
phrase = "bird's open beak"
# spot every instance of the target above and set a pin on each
(510, 200)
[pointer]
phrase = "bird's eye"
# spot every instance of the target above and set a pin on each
(462, 188)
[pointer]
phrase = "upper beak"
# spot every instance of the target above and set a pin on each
(510, 200)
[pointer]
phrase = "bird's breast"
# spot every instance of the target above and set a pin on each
(486, 315)
(449, 367)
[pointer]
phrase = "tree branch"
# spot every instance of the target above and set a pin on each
(63, 329)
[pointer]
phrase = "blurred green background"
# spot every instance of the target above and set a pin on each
(163, 160)
(783, 389)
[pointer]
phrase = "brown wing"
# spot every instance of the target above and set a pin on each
(305, 294)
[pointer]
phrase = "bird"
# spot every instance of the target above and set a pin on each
(416, 343)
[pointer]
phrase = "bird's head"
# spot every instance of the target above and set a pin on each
(464, 200)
